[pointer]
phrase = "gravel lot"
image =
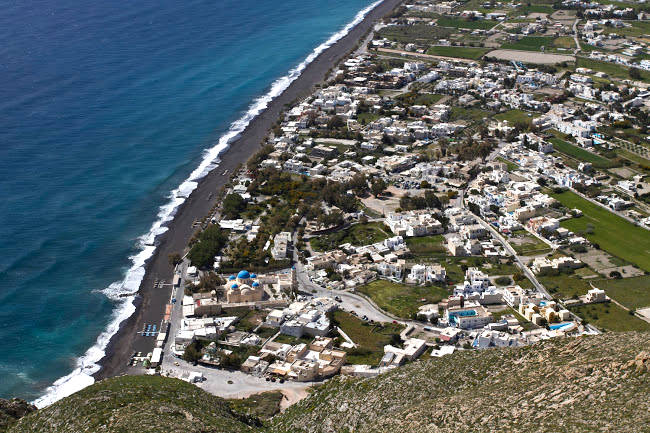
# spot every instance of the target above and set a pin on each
(530, 56)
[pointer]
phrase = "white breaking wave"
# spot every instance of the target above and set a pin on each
(124, 291)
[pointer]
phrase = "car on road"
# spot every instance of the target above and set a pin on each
(338, 299)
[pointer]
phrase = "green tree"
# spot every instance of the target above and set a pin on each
(233, 206)
(210, 242)
(378, 186)
(335, 122)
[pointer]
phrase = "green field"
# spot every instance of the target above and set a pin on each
(530, 246)
(468, 114)
(525, 10)
(564, 286)
(632, 292)
(612, 233)
(564, 42)
(510, 165)
(399, 299)
(454, 267)
(610, 317)
(358, 234)
(513, 116)
(416, 98)
(370, 338)
(422, 32)
(367, 117)
(637, 28)
(459, 23)
(581, 154)
(611, 69)
(530, 43)
(460, 52)
(250, 320)
(290, 339)
(426, 245)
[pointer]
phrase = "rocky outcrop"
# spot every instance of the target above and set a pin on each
(12, 410)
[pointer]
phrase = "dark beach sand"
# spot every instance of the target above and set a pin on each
(151, 301)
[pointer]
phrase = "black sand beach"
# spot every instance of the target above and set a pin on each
(152, 301)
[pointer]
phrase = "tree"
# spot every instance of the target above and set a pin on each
(378, 186)
(233, 206)
(335, 122)
(474, 208)
(192, 352)
(503, 281)
(432, 199)
(210, 242)
(174, 259)
(635, 74)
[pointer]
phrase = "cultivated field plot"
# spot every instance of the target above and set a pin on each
(402, 300)
(528, 245)
(462, 52)
(427, 245)
(611, 69)
(610, 317)
(632, 292)
(612, 233)
(580, 153)
(370, 338)
(358, 234)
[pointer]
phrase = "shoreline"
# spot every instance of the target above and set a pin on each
(150, 302)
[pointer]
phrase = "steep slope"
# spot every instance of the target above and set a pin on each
(137, 404)
(563, 385)
(12, 410)
(587, 384)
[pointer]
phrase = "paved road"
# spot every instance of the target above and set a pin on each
(217, 380)
(350, 301)
(424, 56)
(540, 288)
(575, 36)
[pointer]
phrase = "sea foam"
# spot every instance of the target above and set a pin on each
(123, 292)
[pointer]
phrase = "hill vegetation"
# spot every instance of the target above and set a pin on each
(586, 384)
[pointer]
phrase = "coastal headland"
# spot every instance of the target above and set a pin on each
(151, 301)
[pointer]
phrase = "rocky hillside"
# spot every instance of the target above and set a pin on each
(12, 410)
(138, 404)
(588, 384)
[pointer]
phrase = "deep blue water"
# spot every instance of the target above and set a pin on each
(104, 108)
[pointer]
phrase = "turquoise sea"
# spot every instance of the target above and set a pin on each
(106, 107)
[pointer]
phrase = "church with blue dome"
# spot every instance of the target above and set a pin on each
(243, 288)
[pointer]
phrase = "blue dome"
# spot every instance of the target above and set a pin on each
(232, 277)
(244, 275)
(256, 284)
(234, 286)
(253, 275)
